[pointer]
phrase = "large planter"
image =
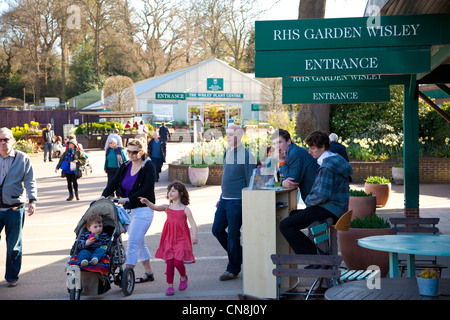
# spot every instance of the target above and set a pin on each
(362, 206)
(397, 175)
(381, 191)
(359, 258)
(198, 176)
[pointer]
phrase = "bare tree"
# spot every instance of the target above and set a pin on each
(120, 94)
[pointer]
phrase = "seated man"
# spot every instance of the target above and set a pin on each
(328, 197)
(298, 167)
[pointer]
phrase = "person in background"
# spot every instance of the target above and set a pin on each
(157, 153)
(58, 148)
(17, 182)
(338, 148)
(49, 138)
(115, 135)
(114, 157)
(164, 135)
(72, 155)
(237, 170)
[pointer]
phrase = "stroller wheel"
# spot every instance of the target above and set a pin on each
(75, 294)
(128, 281)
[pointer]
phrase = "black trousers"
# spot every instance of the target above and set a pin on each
(72, 182)
(291, 228)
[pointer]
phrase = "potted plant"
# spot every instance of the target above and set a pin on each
(359, 258)
(428, 282)
(380, 187)
(397, 173)
(198, 174)
(362, 204)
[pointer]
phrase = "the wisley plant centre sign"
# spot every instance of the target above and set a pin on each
(351, 46)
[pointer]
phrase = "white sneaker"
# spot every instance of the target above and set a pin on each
(94, 261)
(84, 263)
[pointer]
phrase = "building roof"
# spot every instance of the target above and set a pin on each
(151, 83)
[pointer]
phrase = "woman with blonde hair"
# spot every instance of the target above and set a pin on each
(134, 179)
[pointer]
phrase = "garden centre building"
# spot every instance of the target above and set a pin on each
(211, 89)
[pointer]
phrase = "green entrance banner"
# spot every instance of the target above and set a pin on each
(380, 31)
(392, 60)
(335, 94)
(342, 81)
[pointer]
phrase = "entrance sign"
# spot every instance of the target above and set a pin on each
(170, 96)
(306, 34)
(344, 81)
(335, 94)
(392, 60)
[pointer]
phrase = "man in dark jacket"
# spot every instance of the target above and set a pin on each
(49, 138)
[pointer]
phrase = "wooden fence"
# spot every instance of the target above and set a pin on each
(12, 118)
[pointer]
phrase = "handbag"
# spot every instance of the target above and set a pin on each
(65, 165)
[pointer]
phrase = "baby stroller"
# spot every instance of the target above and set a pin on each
(97, 279)
(87, 168)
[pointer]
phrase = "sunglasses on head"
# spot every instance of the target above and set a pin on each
(133, 152)
(5, 140)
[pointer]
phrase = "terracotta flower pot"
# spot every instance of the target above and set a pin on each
(359, 258)
(198, 176)
(381, 191)
(362, 206)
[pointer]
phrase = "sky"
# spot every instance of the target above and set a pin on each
(288, 9)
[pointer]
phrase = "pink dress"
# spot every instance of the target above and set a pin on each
(175, 240)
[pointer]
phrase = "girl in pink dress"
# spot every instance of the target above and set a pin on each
(175, 246)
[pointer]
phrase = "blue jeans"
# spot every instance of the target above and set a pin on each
(48, 147)
(88, 255)
(158, 162)
(229, 215)
(12, 221)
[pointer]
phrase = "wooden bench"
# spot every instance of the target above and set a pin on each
(329, 270)
(417, 225)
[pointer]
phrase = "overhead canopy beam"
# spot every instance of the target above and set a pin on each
(436, 108)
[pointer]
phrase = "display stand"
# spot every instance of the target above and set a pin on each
(262, 211)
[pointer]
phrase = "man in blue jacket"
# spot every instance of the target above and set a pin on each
(16, 177)
(328, 197)
(299, 169)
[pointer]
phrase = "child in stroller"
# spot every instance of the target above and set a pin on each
(96, 278)
(93, 243)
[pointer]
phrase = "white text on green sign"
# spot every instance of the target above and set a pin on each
(352, 32)
(335, 94)
(391, 60)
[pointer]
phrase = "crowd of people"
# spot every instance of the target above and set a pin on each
(321, 174)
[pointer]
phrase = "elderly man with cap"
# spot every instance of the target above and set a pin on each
(16, 184)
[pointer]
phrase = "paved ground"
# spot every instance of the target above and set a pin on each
(48, 236)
